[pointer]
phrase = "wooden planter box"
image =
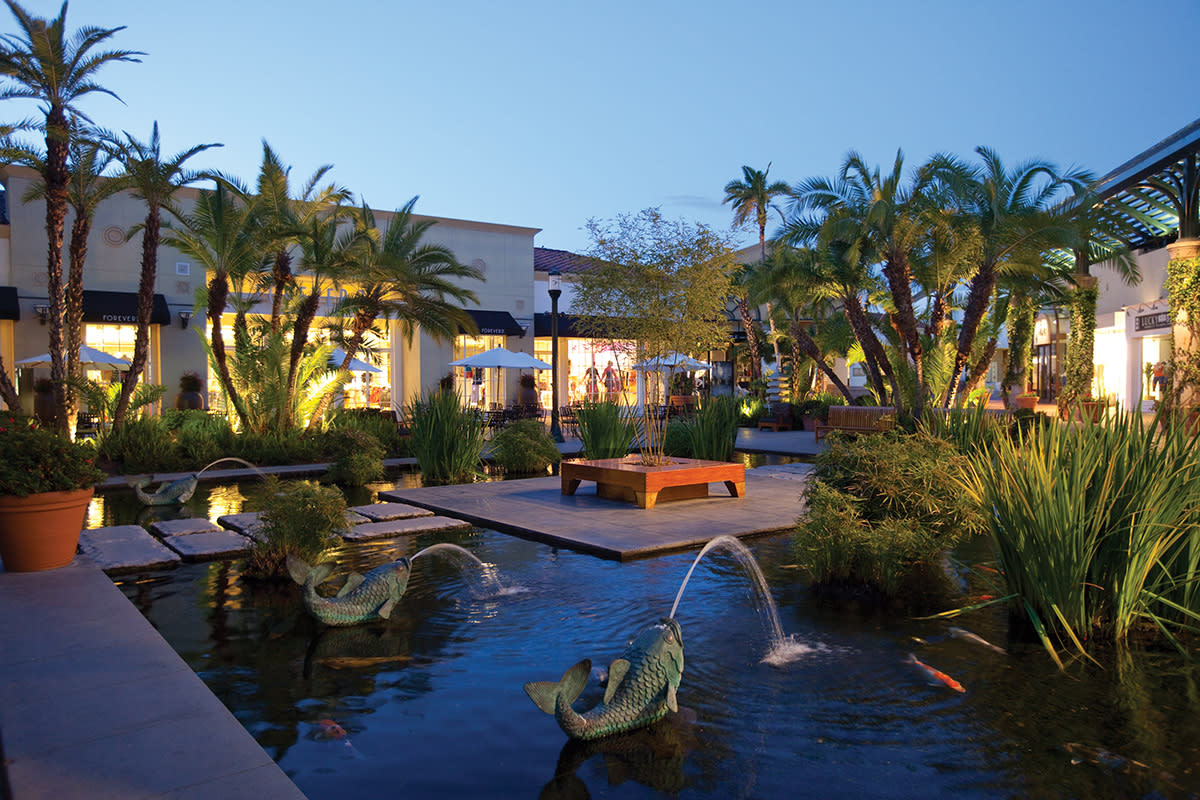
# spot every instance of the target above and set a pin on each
(631, 481)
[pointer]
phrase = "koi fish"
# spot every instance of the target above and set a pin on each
(936, 675)
(967, 636)
(331, 730)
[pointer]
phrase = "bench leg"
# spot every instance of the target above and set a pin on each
(736, 488)
(645, 499)
(569, 485)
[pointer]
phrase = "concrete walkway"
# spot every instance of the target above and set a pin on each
(94, 704)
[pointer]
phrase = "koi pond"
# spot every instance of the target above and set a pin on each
(430, 703)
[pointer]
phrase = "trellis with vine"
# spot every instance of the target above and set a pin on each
(1081, 341)
(1183, 369)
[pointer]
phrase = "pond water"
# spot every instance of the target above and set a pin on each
(432, 704)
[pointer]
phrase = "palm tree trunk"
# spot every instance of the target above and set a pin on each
(145, 304)
(743, 308)
(8, 392)
(73, 315)
(979, 371)
(218, 295)
(899, 278)
(982, 286)
(878, 364)
(304, 318)
(805, 344)
(56, 176)
(281, 274)
(362, 323)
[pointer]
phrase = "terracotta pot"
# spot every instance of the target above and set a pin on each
(1027, 402)
(189, 400)
(41, 531)
(1090, 409)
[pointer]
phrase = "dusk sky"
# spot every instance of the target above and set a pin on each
(545, 114)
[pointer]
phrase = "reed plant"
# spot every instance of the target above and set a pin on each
(712, 430)
(606, 429)
(1097, 528)
(447, 440)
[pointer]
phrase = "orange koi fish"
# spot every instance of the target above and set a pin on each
(331, 730)
(936, 675)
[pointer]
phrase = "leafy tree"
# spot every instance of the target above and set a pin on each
(660, 283)
(44, 63)
(154, 180)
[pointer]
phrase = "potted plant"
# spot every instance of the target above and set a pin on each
(1026, 400)
(46, 483)
(191, 387)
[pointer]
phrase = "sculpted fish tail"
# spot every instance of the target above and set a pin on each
(547, 695)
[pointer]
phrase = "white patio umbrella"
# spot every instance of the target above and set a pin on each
(89, 357)
(339, 355)
(673, 361)
(499, 358)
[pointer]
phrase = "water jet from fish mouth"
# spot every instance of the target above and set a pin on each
(782, 648)
(483, 580)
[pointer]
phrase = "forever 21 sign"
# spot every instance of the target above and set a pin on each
(118, 318)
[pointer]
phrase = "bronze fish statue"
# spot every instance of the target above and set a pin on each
(641, 688)
(362, 598)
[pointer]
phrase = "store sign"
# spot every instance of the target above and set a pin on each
(1147, 322)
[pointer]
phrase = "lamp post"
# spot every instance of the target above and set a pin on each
(555, 290)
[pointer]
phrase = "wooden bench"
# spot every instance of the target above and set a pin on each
(857, 419)
(778, 419)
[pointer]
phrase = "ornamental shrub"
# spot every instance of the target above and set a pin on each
(35, 459)
(357, 457)
(524, 447)
(299, 518)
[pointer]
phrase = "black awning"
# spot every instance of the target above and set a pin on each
(567, 325)
(496, 323)
(10, 307)
(120, 308)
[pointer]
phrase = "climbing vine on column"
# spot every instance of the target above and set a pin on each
(1081, 342)
(1183, 370)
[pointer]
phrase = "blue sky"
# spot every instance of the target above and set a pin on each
(545, 114)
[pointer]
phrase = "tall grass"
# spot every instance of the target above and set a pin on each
(447, 440)
(712, 430)
(606, 429)
(1097, 527)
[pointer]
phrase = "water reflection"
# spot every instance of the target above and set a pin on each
(849, 718)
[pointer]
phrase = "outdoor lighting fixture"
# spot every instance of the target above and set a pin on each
(555, 278)
(184, 318)
(43, 313)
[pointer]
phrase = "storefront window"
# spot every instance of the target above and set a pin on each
(479, 388)
(600, 369)
(116, 340)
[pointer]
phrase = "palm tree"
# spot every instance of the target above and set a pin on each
(752, 197)
(893, 223)
(1008, 210)
(284, 216)
(43, 63)
(794, 278)
(222, 232)
(399, 278)
(150, 178)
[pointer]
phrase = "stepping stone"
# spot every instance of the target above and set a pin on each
(247, 523)
(399, 527)
(208, 546)
(355, 518)
(125, 548)
(384, 512)
(181, 527)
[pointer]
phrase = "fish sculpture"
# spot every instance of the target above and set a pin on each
(936, 675)
(168, 492)
(363, 597)
(641, 687)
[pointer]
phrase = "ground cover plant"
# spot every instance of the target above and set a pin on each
(299, 519)
(1096, 527)
(523, 447)
(882, 511)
